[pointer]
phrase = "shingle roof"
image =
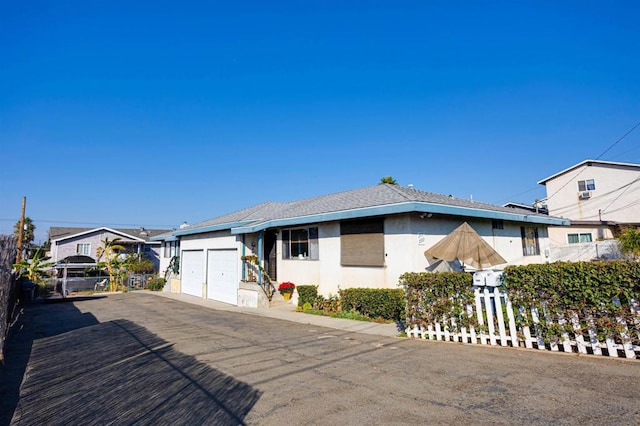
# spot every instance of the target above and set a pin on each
(371, 196)
(56, 233)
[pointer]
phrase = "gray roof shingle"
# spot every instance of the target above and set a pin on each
(371, 196)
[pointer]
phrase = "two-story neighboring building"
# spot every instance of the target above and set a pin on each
(66, 242)
(599, 198)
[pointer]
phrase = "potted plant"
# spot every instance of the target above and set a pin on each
(286, 289)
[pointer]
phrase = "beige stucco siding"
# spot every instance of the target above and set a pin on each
(614, 199)
(406, 237)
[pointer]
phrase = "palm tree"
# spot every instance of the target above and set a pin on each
(110, 252)
(387, 179)
(27, 231)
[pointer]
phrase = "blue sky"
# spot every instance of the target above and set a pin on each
(131, 114)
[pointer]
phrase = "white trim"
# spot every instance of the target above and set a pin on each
(103, 228)
(603, 163)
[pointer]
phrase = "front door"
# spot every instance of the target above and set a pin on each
(270, 254)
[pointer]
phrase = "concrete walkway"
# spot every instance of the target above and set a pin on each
(287, 311)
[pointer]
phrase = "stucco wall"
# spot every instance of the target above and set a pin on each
(558, 235)
(614, 199)
(406, 238)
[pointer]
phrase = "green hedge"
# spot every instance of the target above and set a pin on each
(309, 293)
(374, 303)
(570, 289)
(432, 296)
(597, 293)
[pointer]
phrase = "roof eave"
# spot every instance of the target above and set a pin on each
(101, 228)
(419, 207)
(211, 228)
(587, 162)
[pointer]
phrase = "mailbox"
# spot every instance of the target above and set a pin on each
(487, 278)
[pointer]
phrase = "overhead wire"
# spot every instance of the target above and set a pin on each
(597, 158)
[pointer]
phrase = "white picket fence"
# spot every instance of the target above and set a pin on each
(489, 308)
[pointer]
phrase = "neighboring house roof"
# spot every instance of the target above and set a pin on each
(540, 209)
(139, 234)
(374, 200)
(590, 163)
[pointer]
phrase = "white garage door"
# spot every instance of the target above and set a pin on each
(191, 272)
(222, 276)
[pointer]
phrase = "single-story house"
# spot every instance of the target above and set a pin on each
(365, 237)
(74, 241)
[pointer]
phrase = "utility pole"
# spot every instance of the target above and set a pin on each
(21, 230)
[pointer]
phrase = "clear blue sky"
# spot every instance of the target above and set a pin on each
(134, 113)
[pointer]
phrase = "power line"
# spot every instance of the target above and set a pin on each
(517, 195)
(561, 209)
(77, 223)
(621, 194)
(597, 158)
(616, 142)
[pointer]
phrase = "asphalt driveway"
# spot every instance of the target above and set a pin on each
(137, 358)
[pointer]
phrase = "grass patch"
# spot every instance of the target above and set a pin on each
(352, 315)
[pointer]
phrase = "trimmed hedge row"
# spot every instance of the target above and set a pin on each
(432, 296)
(599, 290)
(309, 294)
(597, 294)
(374, 303)
(388, 304)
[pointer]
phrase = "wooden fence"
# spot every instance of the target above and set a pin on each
(497, 326)
(8, 286)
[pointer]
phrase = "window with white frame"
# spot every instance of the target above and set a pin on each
(83, 248)
(576, 238)
(530, 244)
(301, 243)
(586, 185)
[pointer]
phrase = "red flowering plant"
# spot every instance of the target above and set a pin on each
(286, 287)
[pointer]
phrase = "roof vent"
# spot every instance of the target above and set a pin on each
(410, 186)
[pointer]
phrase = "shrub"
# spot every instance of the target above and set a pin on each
(374, 303)
(156, 285)
(309, 294)
(432, 296)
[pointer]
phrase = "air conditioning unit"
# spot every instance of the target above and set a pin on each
(584, 195)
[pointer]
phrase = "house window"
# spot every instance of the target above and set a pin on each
(362, 242)
(171, 248)
(300, 243)
(497, 224)
(586, 185)
(579, 238)
(83, 248)
(530, 245)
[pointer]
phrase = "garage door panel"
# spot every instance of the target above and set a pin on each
(222, 276)
(191, 272)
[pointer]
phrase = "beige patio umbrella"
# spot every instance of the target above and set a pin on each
(465, 245)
